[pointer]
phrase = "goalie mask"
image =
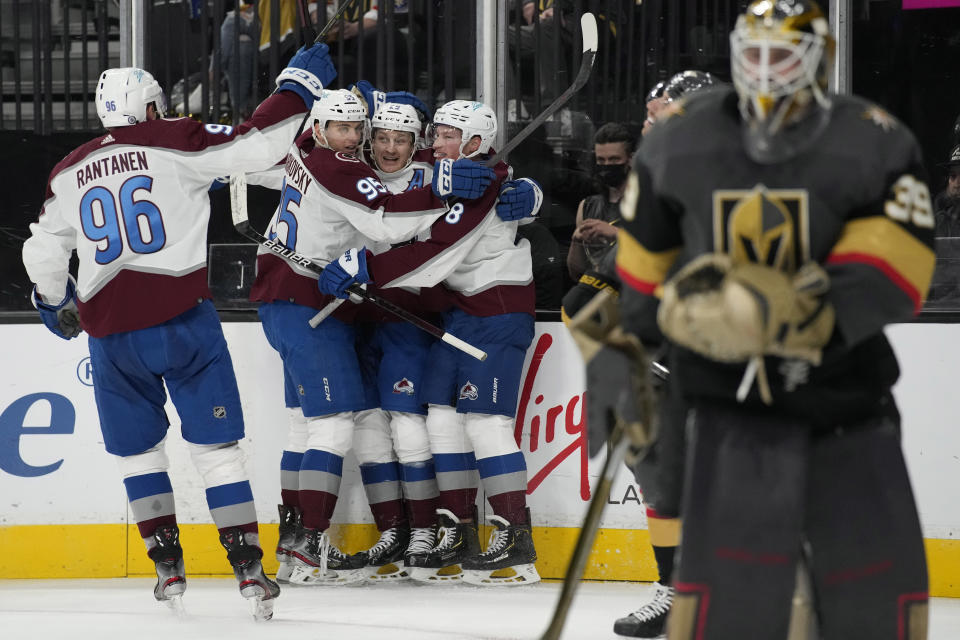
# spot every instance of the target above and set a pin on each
(779, 52)
(123, 95)
(397, 117)
(337, 105)
(472, 119)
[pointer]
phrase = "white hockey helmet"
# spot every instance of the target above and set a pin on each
(123, 95)
(473, 119)
(339, 105)
(397, 117)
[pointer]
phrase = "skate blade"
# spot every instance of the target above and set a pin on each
(443, 575)
(312, 576)
(283, 572)
(262, 610)
(387, 573)
(175, 604)
(521, 574)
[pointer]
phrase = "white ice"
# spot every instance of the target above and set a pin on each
(120, 609)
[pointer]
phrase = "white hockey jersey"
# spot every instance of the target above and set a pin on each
(134, 204)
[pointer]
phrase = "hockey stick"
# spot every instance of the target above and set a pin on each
(336, 17)
(241, 222)
(619, 442)
(588, 32)
(305, 21)
(588, 28)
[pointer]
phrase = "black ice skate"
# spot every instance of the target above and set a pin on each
(291, 518)
(255, 586)
(171, 577)
(508, 560)
(422, 540)
(650, 620)
(317, 561)
(384, 560)
(457, 542)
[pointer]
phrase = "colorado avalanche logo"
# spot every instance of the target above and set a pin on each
(403, 386)
(469, 391)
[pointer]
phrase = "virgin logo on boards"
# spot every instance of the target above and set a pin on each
(570, 416)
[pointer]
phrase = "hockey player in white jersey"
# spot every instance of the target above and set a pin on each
(134, 205)
(330, 200)
(488, 291)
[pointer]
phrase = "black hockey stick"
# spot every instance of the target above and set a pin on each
(588, 33)
(336, 17)
(619, 443)
(241, 222)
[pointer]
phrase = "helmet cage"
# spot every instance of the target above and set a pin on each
(778, 71)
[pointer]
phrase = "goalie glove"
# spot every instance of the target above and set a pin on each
(731, 313)
(619, 385)
(741, 312)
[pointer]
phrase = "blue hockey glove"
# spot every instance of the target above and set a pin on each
(349, 268)
(405, 97)
(462, 178)
(519, 199)
(62, 319)
(371, 97)
(308, 72)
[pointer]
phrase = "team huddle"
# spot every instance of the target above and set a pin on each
(430, 229)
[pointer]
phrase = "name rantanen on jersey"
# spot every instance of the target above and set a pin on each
(117, 163)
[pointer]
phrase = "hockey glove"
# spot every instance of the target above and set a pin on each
(369, 95)
(619, 384)
(373, 98)
(308, 72)
(346, 270)
(462, 178)
(62, 319)
(734, 312)
(519, 199)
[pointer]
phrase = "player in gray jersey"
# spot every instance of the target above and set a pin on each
(770, 255)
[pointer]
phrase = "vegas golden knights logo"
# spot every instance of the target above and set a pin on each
(763, 226)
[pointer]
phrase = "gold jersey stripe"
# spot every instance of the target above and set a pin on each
(640, 268)
(884, 244)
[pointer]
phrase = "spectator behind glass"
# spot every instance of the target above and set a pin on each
(594, 238)
(946, 205)
(359, 44)
(543, 24)
(239, 37)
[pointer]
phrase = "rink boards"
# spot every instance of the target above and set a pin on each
(63, 512)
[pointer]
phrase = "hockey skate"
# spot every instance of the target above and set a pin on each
(256, 587)
(317, 561)
(650, 620)
(171, 577)
(291, 519)
(457, 542)
(508, 560)
(384, 560)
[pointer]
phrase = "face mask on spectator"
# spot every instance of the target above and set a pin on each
(612, 175)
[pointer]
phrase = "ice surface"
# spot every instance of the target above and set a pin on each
(120, 609)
